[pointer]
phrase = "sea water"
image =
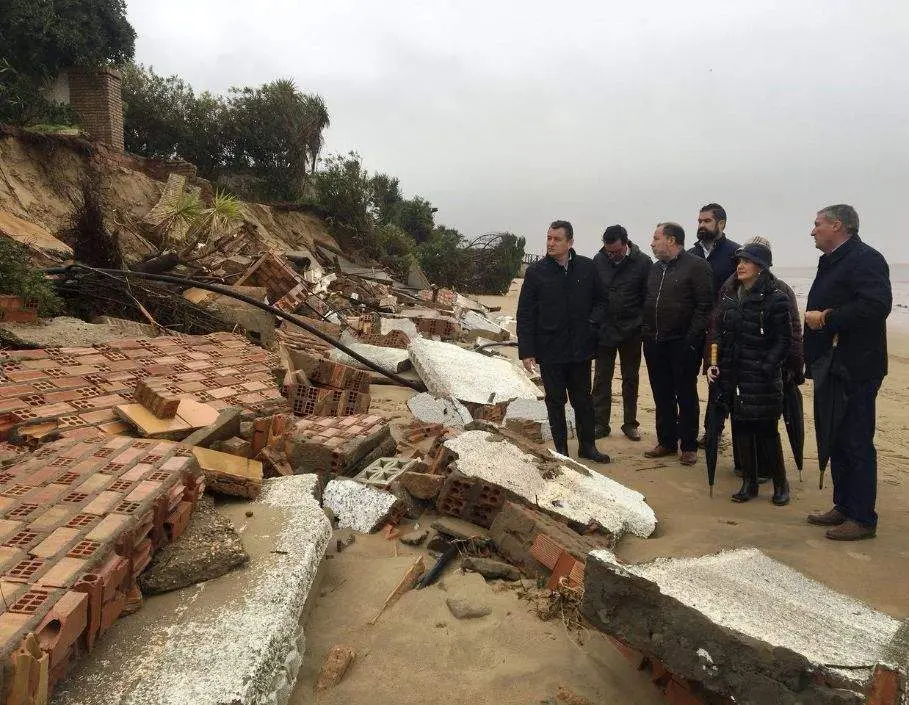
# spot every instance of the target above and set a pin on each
(800, 278)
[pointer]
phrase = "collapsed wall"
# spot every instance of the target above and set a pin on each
(745, 628)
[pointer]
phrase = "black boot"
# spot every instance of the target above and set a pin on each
(770, 451)
(780, 491)
(748, 459)
(590, 452)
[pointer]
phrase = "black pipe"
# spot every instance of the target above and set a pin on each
(226, 291)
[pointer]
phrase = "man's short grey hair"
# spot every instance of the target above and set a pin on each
(844, 214)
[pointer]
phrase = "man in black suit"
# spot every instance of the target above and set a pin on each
(560, 308)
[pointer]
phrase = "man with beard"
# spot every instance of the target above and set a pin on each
(719, 251)
(560, 309)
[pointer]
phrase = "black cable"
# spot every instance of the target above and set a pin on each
(226, 291)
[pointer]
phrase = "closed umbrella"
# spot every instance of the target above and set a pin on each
(830, 399)
(716, 415)
(794, 418)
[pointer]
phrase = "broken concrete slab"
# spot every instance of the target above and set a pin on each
(242, 643)
(422, 485)
(431, 409)
(516, 528)
(209, 548)
(357, 506)
(388, 324)
(63, 332)
(455, 373)
(743, 626)
(529, 417)
(230, 474)
(476, 324)
(392, 359)
(580, 499)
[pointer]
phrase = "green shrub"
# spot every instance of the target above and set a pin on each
(19, 278)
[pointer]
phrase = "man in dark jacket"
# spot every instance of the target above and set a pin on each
(676, 311)
(719, 251)
(560, 308)
(848, 306)
(623, 269)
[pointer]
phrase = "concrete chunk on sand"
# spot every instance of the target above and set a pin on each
(455, 373)
(744, 625)
(578, 498)
(236, 639)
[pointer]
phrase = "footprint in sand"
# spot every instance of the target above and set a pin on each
(815, 543)
(859, 556)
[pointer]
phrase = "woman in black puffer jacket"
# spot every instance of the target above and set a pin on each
(753, 334)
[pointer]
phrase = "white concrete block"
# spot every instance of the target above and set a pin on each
(236, 639)
(357, 506)
(392, 359)
(429, 409)
(578, 497)
(453, 372)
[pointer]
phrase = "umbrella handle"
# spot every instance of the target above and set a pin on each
(714, 354)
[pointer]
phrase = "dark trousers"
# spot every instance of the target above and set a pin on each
(853, 461)
(561, 382)
(673, 370)
(759, 449)
(629, 354)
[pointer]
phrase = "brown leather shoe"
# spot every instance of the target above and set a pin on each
(658, 451)
(832, 518)
(689, 457)
(850, 531)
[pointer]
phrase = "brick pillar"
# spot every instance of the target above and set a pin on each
(97, 98)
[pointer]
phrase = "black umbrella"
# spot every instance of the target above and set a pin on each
(794, 418)
(716, 414)
(830, 400)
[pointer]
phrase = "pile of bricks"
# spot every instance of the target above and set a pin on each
(73, 391)
(306, 400)
(393, 339)
(333, 444)
(326, 373)
(276, 275)
(300, 339)
(444, 327)
(155, 396)
(470, 498)
(13, 309)
(80, 521)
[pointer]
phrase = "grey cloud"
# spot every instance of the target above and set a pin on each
(507, 115)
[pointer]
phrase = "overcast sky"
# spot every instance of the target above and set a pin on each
(507, 115)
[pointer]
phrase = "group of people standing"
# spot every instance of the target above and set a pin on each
(715, 309)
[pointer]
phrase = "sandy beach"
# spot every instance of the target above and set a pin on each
(418, 653)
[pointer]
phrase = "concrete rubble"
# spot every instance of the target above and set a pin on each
(431, 409)
(455, 373)
(209, 548)
(236, 639)
(745, 627)
(392, 359)
(577, 498)
(529, 417)
(357, 506)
